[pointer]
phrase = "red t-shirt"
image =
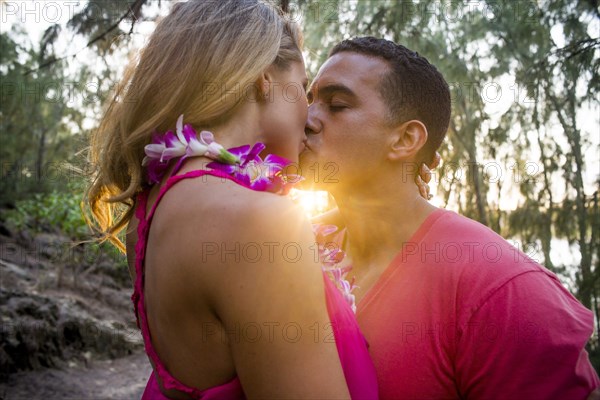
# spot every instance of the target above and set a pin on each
(461, 313)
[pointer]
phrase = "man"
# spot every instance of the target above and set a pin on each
(449, 308)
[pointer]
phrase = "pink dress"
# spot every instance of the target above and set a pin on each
(351, 345)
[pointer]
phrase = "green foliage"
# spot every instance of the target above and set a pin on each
(59, 212)
(545, 56)
(54, 211)
(496, 42)
(40, 125)
(549, 51)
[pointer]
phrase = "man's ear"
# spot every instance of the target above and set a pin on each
(407, 139)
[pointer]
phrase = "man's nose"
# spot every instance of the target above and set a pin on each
(313, 124)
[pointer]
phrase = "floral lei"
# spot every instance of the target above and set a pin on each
(244, 164)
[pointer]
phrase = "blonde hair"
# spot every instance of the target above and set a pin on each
(199, 62)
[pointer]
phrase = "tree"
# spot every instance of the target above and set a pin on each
(530, 153)
(37, 120)
(537, 143)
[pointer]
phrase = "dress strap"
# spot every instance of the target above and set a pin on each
(188, 175)
(144, 221)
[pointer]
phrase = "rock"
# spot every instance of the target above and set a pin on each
(15, 269)
(86, 320)
(55, 248)
(4, 231)
(120, 379)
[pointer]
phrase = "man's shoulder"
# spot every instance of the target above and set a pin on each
(457, 242)
(450, 225)
(469, 261)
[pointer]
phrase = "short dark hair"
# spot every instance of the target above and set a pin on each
(413, 89)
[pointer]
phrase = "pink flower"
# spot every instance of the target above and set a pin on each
(182, 144)
(254, 172)
(330, 255)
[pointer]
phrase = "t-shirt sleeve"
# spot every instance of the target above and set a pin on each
(526, 341)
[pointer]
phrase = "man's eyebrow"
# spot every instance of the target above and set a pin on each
(328, 90)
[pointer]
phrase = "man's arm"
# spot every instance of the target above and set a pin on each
(527, 340)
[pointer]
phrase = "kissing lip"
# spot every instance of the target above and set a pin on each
(302, 147)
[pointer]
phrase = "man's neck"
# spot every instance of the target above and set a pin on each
(378, 222)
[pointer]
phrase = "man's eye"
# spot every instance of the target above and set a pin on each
(337, 107)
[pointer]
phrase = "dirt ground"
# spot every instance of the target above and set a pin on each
(75, 340)
(120, 379)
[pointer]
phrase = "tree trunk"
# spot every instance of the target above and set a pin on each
(473, 167)
(573, 136)
(40, 155)
(546, 232)
(285, 5)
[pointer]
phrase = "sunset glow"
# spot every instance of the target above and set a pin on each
(313, 202)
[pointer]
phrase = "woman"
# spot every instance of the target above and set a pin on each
(229, 295)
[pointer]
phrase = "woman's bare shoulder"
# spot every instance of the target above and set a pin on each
(222, 235)
(221, 209)
(195, 215)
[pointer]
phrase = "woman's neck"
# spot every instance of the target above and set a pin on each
(241, 129)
